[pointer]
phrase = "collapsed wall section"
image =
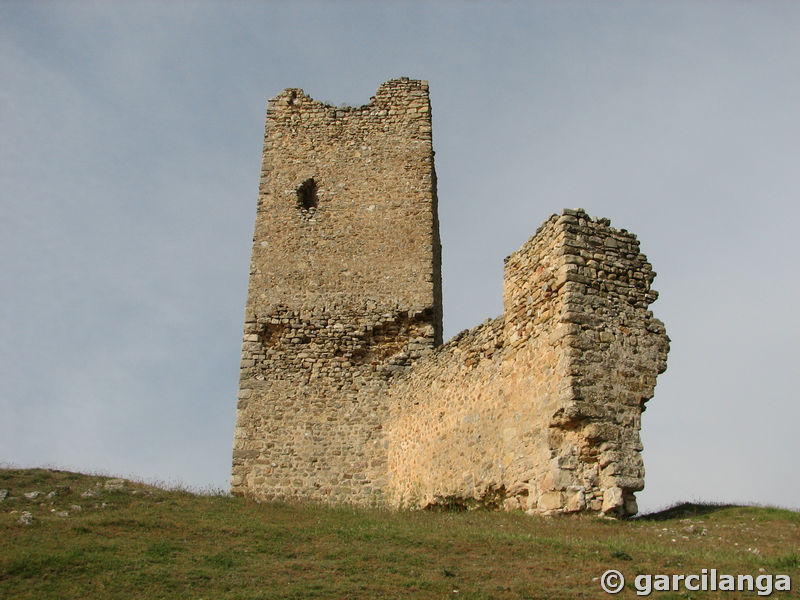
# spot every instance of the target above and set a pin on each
(539, 409)
(344, 291)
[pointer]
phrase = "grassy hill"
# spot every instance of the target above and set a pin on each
(97, 537)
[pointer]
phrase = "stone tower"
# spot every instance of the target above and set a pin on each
(344, 291)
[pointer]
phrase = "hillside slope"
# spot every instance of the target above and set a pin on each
(97, 537)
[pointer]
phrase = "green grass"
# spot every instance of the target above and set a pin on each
(146, 542)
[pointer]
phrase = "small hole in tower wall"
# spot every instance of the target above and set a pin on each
(307, 200)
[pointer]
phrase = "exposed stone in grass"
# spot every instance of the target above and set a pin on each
(59, 490)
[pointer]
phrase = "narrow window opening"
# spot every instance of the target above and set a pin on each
(307, 200)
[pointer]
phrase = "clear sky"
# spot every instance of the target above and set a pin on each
(130, 143)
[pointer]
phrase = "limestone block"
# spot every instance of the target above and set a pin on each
(631, 506)
(550, 501)
(612, 500)
(576, 501)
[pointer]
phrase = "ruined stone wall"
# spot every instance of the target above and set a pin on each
(346, 393)
(345, 291)
(464, 429)
(539, 409)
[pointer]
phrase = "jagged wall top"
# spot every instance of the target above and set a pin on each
(397, 102)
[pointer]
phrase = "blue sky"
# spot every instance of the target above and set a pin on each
(129, 169)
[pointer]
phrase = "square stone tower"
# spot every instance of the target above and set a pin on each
(344, 292)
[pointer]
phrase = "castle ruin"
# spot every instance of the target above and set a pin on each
(347, 393)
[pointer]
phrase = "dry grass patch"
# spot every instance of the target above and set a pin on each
(131, 540)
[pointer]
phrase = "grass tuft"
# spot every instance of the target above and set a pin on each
(621, 555)
(787, 561)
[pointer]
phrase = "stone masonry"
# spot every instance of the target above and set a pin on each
(346, 391)
(540, 408)
(345, 291)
